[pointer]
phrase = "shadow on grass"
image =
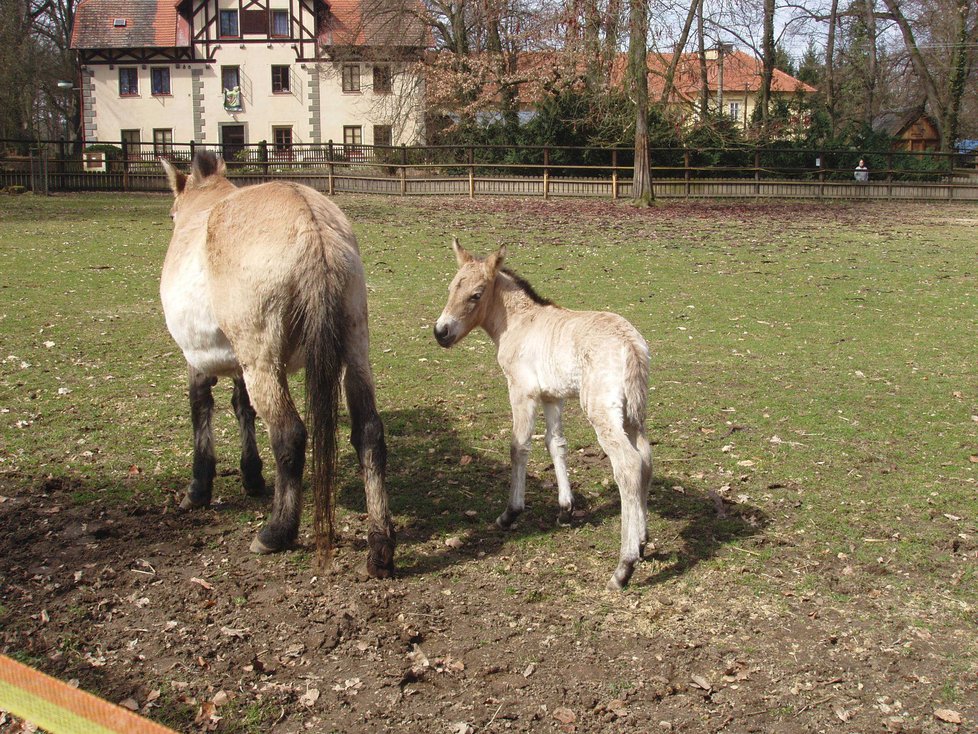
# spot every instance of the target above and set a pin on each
(441, 487)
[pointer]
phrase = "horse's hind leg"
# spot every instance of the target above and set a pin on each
(201, 410)
(269, 392)
(367, 437)
(251, 464)
(557, 446)
(627, 463)
(638, 439)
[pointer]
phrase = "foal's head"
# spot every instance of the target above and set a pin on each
(205, 185)
(469, 295)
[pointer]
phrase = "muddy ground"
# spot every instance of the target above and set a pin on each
(168, 614)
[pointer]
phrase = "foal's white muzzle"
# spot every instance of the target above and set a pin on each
(446, 329)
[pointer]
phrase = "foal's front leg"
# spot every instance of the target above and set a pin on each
(201, 410)
(524, 413)
(557, 446)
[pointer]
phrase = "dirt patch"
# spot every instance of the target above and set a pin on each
(170, 612)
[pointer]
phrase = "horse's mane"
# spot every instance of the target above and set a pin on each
(524, 286)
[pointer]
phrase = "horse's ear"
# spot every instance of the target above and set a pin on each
(461, 254)
(207, 164)
(176, 179)
(495, 261)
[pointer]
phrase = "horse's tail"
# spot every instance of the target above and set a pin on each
(321, 301)
(636, 381)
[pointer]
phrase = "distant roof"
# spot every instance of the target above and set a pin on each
(741, 73)
(129, 24)
(894, 122)
(375, 23)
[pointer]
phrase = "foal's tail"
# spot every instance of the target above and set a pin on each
(323, 337)
(636, 382)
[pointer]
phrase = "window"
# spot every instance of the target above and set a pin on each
(230, 77)
(130, 143)
(231, 84)
(229, 24)
(352, 135)
(383, 135)
(283, 141)
(160, 78)
(280, 79)
(735, 110)
(351, 77)
(382, 79)
(128, 81)
(162, 142)
(280, 23)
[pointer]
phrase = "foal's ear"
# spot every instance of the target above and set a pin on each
(462, 256)
(495, 261)
(176, 179)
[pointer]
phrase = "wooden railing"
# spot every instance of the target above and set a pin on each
(547, 171)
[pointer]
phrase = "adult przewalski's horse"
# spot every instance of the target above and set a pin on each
(548, 354)
(259, 282)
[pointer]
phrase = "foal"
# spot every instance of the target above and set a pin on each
(257, 283)
(548, 354)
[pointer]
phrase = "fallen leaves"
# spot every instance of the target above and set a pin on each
(948, 715)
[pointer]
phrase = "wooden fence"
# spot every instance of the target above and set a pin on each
(547, 172)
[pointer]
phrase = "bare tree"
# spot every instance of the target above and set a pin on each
(638, 78)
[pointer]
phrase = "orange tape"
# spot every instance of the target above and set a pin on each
(60, 709)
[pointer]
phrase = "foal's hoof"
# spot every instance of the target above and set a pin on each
(506, 520)
(619, 579)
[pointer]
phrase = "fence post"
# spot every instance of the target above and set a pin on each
(757, 172)
(193, 149)
(950, 175)
(471, 172)
(125, 165)
(821, 175)
(614, 173)
(546, 172)
(403, 169)
(329, 166)
(686, 185)
(889, 175)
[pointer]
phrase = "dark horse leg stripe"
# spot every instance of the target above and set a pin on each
(251, 463)
(201, 410)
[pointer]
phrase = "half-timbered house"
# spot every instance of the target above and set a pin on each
(237, 72)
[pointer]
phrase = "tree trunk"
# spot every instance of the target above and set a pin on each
(957, 79)
(638, 72)
(830, 101)
(873, 62)
(767, 65)
(677, 54)
(704, 79)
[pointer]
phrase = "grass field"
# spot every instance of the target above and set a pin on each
(813, 406)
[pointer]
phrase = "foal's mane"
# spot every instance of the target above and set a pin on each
(524, 286)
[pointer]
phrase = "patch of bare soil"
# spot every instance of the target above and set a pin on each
(170, 614)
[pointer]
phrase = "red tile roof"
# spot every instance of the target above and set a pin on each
(741, 73)
(374, 23)
(148, 24)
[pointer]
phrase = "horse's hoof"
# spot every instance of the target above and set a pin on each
(619, 579)
(380, 557)
(260, 548)
(506, 520)
(188, 503)
(614, 584)
(565, 518)
(258, 489)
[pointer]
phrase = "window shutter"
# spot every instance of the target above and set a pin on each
(254, 22)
